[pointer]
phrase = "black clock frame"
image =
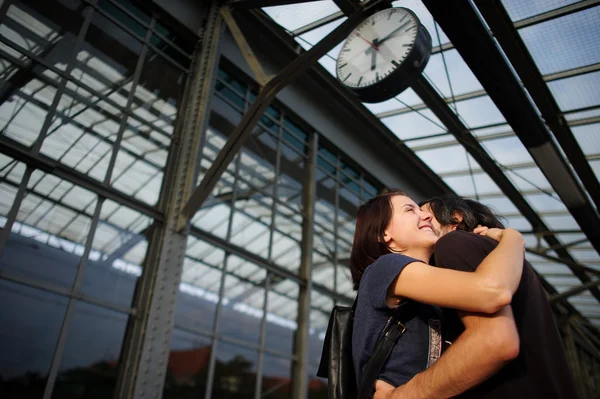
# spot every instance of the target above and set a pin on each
(402, 77)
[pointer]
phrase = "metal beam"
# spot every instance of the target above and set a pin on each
(247, 4)
(348, 6)
(536, 19)
(318, 23)
(455, 126)
(556, 13)
(574, 291)
(145, 353)
(568, 73)
(23, 154)
(524, 165)
(267, 94)
(300, 366)
(571, 264)
(515, 49)
(246, 50)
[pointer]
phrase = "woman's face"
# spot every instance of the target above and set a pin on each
(411, 228)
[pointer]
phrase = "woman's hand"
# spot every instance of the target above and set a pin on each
(493, 233)
(383, 390)
(498, 234)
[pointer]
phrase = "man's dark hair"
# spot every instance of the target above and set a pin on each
(474, 213)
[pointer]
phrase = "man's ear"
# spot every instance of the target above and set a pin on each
(459, 218)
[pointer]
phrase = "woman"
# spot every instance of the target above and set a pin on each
(393, 242)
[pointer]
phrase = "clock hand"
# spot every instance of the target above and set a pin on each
(371, 44)
(373, 59)
(392, 33)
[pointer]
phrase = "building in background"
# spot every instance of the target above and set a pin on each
(113, 111)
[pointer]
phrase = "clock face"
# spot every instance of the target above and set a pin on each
(377, 47)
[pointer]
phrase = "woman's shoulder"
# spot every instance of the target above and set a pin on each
(395, 258)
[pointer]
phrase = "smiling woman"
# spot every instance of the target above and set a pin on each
(393, 242)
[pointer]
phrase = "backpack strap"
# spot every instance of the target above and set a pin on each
(393, 330)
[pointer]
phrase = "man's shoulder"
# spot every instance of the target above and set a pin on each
(458, 239)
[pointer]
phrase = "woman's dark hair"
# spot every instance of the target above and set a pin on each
(369, 244)
(474, 213)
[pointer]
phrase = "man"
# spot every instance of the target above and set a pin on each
(515, 353)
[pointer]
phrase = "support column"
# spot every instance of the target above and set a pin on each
(299, 368)
(145, 354)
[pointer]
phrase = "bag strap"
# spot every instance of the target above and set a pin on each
(390, 334)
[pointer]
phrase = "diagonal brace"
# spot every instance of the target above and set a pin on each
(267, 94)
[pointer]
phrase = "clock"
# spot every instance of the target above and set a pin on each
(383, 55)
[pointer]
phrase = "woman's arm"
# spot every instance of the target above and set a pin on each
(486, 290)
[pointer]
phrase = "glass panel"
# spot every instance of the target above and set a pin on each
(444, 140)
(528, 179)
(501, 205)
(199, 289)
(518, 223)
(507, 151)
(588, 137)
(276, 381)
(89, 364)
(118, 253)
(407, 97)
(51, 229)
(187, 369)
(486, 131)
(294, 16)
(319, 318)
(31, 322)
(471, 185)
(414, 124)
(585, 255)
(576, 92)
(235, 372)
(461, 77)
(244, 289)
(478, 112)
(595, 165)
(309, 39)
(546, 202)
(519, 9)
(564, 43)
(560, 222)
(282, 307)
(438, 159)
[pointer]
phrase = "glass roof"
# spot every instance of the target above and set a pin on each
(565, 48)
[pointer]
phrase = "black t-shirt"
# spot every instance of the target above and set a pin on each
(418, 348)
(541, 369)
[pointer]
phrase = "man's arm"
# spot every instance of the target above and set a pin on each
(486, 345)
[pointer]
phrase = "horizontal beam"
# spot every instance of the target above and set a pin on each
(556, 13)
(517, 166)
(569, 73)
(536, 19)
(247, 4)
(271, 267)
(21, 153)
(567, 262)
(318, 23)
(541, 213)
(574, 291)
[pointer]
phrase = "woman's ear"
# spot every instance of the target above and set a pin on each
(387, 237)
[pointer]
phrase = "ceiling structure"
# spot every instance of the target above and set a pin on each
(536, 162)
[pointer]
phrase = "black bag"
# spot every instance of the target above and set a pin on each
(336, 360)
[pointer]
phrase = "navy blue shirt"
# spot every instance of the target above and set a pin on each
(421, 344)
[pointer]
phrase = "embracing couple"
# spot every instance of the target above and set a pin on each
(483, 327)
